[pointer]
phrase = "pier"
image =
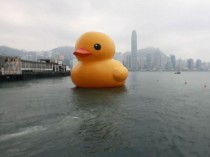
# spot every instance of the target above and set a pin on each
(13, 68)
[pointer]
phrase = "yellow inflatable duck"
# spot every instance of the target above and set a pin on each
(96, 67)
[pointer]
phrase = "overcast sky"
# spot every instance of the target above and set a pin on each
(180, 27)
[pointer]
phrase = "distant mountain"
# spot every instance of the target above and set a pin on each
(151, 51)
(66, 50)
(8, 51)
(147, 51)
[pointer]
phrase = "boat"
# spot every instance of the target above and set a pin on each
(177, 72)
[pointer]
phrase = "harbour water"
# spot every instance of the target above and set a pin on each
(157, 114)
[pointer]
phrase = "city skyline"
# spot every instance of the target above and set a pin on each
(155, 60)
(71, 47)
(152, 59)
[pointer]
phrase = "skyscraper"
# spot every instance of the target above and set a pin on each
(134, 51)
(173, 62)
(198, 64)
(190, 64)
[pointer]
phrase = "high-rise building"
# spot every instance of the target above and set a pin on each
(148, 62)
(190, 64)
(157, 59)
(134, 66)
(180, 64)
(198, 64)
(118, 56)
(128, 62)
(173, 62)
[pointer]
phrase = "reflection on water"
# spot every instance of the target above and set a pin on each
(99, 127)
(90, 97)
(50, 117)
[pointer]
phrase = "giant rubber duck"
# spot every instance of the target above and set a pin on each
(96, 67)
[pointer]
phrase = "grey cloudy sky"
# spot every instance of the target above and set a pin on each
(180, 27)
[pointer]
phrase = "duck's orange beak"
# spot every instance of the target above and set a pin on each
(82, 52)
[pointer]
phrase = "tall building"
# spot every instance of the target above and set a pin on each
(173, 62)
(148, 62)
(134, 66)
(198, 64)
(180, 64)
(190, 64)
(128, 62)
(157, 59)
(118, 56)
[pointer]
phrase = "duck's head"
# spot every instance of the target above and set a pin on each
(92, 46)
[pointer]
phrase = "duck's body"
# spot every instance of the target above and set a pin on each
(107, 73)
(95, 67)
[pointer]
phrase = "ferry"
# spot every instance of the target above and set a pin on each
(177, 72)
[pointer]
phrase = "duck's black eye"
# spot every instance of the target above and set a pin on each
(97, 46)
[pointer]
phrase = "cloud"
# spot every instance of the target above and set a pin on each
(180, 27)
